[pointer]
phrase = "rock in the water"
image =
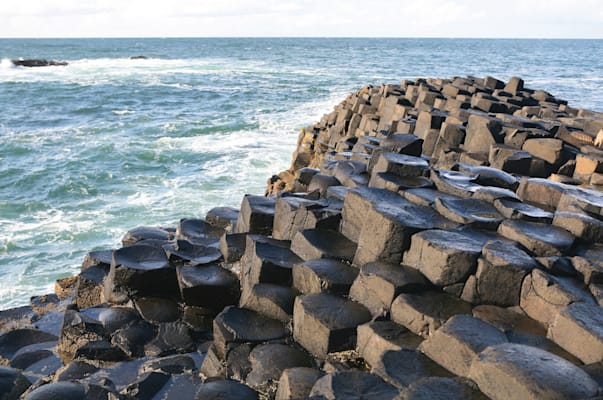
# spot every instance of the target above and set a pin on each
(38, 63)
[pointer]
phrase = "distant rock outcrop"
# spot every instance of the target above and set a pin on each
(139, 58)
(36, 62)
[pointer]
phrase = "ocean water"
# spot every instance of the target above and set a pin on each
(108, 143)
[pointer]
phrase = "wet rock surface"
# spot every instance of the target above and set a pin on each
(436, 238)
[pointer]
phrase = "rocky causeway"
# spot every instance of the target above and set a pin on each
(432, 239)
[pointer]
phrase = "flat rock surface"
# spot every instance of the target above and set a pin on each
(323, 323)
(514, 371)
(352, 385)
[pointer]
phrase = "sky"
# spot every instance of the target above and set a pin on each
(316, 18)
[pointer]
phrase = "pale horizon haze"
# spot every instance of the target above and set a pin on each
(302, 18)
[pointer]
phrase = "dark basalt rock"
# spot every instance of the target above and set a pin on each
(225, 389)
(185, 251)
(12, 341)
(509, 370)
(268, 362)
(172, 337)
(323, 323)
(209, 286)
(146, 233)
(59, 390)
(133, 338)
(223, 218)
(238, 325)
(146, 386)
(140, 270)
(324, 275)
(352, 385)
(273, 301)
(540, 239)
(379, 283)
(12, 383)
(310, 244)
(38, 63)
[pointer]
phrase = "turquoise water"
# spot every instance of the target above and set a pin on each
(107, 143)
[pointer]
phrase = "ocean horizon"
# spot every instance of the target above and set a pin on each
(108, 143)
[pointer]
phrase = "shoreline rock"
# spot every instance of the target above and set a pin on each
(38, 62)
(440, 237)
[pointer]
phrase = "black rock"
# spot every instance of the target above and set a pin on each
(38, 63)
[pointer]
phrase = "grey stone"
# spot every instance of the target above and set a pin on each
(514, 371)
(352, 385)
(377, 337)
(12, 383)
(538, 238)
(225, 389)
(442, 388)
(256, 215)
(513, 209)
(456, 343)
(157, 309)
(268, 361)
(271, 300)
(145, 233)
(324, 275)
(469, 211)
(543, 296)
(223, 218)
(140, 270)
(238, 325)
(172, 337)
(356, 205)
(316, 243)
(379, 283)
(58, 390)
(501, 273)
(323, 323)
(267, 261)
(296, 383)
(185, 251)
(209, 286)
(579, 330)
(387, 231)
(402, 367)
(582, 226)
(423, 313)
(444, 257)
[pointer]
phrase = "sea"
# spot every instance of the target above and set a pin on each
(108, 143)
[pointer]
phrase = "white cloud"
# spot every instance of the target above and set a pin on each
(410, 18)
